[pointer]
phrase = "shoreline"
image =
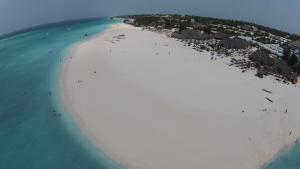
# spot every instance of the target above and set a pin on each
(73, 114)
(73, 121)
(165, 103)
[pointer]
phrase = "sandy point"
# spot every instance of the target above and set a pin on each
(149, 102)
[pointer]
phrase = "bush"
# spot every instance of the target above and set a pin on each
(286, 53)
(298, 67)
(293, 60)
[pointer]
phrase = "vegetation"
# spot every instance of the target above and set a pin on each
(293, 60)
(298, 67)
(229, 27)
(175, 20)
(286, 53)
(264, 40)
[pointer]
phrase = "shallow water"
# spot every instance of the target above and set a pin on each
(35, 132)
(287, 159)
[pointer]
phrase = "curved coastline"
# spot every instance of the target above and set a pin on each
(33, 83)
(73, 123)
(78, 123)
(128, 80)
(35, 129)
(60, 97)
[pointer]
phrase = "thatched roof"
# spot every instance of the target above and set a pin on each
(177, 35)
(191, 34)
(199, 26)
(296, 44)
(235, 43)
(281, 67)
(219, 35)
(261, 57)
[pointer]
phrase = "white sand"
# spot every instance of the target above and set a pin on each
(151, 109)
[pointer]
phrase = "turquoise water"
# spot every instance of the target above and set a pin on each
(287, 159)
(35, 131)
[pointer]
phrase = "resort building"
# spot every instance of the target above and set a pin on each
(219, 36)
(282, 68)
(273, 48)
(129, 21)
(262, 57)
(296, 46)
(199, 26)
(191, 34)
(234, 43)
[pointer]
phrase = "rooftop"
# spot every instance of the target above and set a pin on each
(281, 67)
(235, 43)
(219, 35)
(261, 57)
(296, 44)
(191, 34)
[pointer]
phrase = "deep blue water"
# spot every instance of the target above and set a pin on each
(35, 131)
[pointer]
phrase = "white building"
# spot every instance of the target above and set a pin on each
(273, 48)
(174, 30)
(129, 21)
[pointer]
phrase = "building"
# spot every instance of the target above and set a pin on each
(129, 21)
(193, 21)
(234, 43)
(199, 26)
(219, 36)
(274, 48)
(262, 57)
(296, 46)
(191, 34)
(282, 68)
(174, 30)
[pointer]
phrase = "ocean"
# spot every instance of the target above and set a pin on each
(36, 132)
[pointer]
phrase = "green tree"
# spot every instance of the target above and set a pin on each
(286, 53)
(207, 30)
(181, 27)
(247, 34)
(293, 60)
(298, 67)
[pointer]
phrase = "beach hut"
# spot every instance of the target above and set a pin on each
(234, 43)
(262, 57)
(219, 36)
(282, 68)
(177, 35)
(190, 34)
(199, 26)
(295, 45)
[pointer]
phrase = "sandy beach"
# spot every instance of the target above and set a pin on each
(150, 102)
